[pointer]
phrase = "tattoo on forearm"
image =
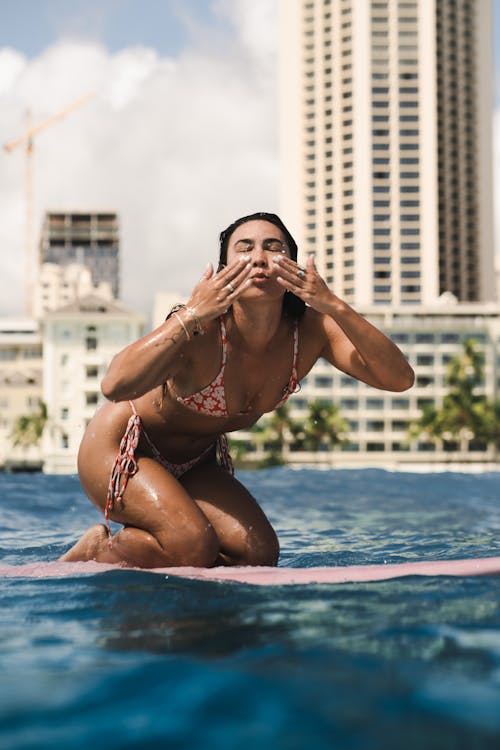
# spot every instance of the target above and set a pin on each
(173, 338)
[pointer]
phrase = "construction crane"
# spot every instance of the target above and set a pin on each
(27, 140)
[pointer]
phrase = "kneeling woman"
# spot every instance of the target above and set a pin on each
(154, 458)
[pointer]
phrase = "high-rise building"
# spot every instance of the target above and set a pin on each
(386, 147)
(89, 239)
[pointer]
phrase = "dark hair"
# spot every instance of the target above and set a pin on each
(292, 304)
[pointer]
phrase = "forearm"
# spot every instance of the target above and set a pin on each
(375, 359)
(352, 344)
(146, 363)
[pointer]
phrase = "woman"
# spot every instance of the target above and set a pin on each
(154, 458)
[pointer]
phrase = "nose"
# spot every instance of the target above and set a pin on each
(258, 257)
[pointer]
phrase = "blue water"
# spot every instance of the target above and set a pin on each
(129, 659)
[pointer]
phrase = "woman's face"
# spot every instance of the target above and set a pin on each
(260, 241)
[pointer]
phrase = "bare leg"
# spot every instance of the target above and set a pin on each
(245, 535)
(163, 525)
(129, 547)
(89, 546)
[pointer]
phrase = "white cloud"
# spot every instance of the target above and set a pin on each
(179, 147)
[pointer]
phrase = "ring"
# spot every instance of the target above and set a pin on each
(301, 273)
(230, 287)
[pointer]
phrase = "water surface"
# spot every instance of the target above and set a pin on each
(128, 659)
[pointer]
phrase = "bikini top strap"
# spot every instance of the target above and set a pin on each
(294, 374)
(223, 336)
(132, 406)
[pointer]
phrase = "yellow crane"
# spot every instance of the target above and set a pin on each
(31, 261)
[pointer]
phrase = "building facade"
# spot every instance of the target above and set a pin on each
(89, 239)
(386, 176)
(386, 147)
(21, 389)
(379, 421)
(79, 341)
(58, 285)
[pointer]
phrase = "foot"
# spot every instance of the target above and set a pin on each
(88, 547)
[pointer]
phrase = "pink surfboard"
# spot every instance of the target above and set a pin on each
(264, 576)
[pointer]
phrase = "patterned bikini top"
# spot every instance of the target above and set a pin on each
(211, 400)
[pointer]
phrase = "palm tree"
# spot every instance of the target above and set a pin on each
(28, 428)
(324, 426)
(464, 415)
(276, 434)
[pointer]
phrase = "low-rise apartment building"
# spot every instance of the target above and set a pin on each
(21, 390)
(79, 341)
(379, 420)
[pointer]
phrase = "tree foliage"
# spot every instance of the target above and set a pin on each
(323, 428)
(28, 428)
(465, 414)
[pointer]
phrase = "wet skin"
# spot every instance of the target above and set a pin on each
(207, 517)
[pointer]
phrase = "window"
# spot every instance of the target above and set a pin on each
(374, 403)
(375, 425)
(401, 403)
(347, 382)
(424, 338)
(349, 403)
(424, 380)
(373, 447)
(399, 425)
(323, 381)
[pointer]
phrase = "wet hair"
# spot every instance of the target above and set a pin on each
(292, 304)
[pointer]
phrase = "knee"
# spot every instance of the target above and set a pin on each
(197, 546)
(193, 547)
(261, 549)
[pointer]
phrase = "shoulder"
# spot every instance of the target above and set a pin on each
(313, 333)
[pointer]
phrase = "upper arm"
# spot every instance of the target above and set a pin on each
(339, 350)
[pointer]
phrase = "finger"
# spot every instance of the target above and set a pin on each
(233, 280)
(290, 268)
(238, 273)
(282, 261)
(230, 270)
(234, 283)
(208, 272)
(295, 274)
(291, 286)
(311, 263)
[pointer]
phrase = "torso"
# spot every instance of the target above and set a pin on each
(253, 385)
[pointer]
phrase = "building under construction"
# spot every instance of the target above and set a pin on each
(90, 239)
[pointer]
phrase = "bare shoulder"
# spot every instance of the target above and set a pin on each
(313, 337)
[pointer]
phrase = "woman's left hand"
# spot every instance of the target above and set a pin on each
(305, 283)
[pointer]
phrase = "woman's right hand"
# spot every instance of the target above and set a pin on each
(215, 292)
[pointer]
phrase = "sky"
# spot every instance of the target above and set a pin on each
(180, 135)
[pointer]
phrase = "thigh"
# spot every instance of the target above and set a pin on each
(245, 534)
(153, 499)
